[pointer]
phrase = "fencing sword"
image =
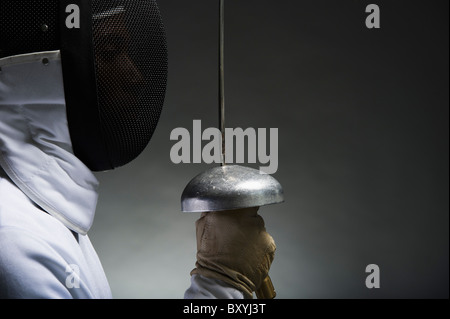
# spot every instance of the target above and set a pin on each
(231, 187)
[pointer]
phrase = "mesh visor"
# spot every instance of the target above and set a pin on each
(130, 58)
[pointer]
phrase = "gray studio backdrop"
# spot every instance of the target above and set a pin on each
(363, 147)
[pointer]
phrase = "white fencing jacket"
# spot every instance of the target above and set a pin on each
(47, 195)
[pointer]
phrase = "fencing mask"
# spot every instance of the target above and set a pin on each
(114, 59)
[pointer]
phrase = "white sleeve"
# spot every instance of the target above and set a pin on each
(208, 288)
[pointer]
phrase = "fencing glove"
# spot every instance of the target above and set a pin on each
(233, 246)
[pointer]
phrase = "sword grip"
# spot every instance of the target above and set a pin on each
(266, 290)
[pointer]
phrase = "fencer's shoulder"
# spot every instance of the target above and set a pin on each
(27, 232)
(17, 243)
(20, 248)
(30, 264)
(29, 268)
(16, 229)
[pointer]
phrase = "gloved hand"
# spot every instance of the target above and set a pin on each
(233, 246)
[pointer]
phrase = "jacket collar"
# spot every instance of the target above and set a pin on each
(35, 147)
